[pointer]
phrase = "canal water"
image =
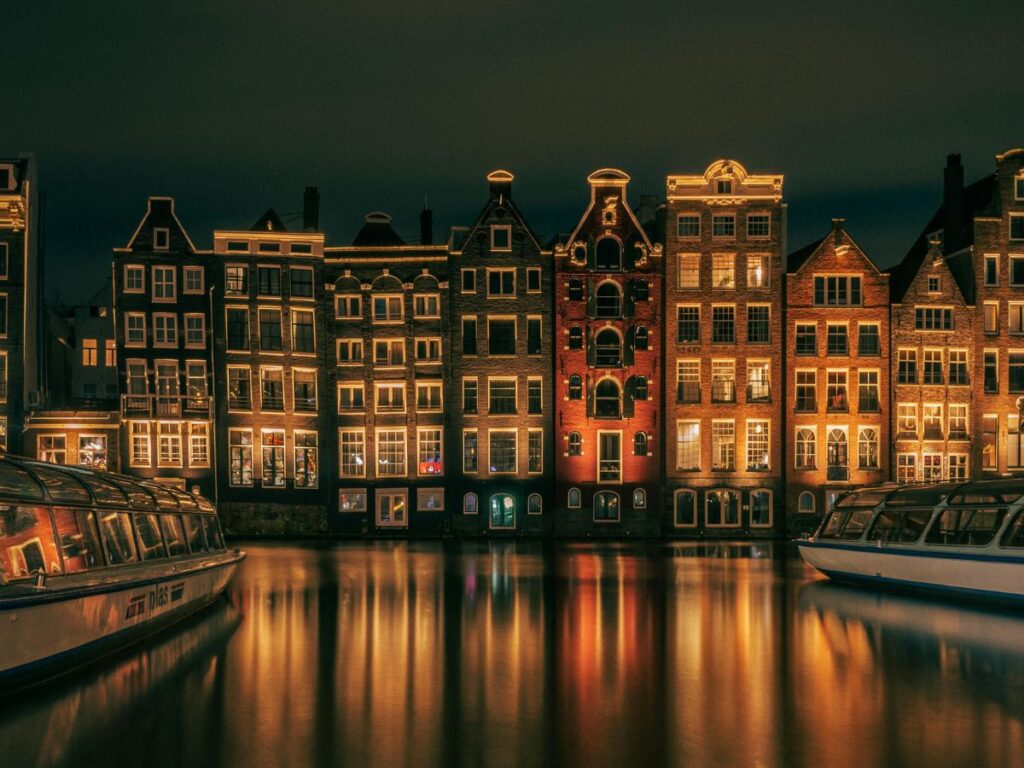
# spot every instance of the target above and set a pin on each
(534, 654)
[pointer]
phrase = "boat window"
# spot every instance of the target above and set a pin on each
(194, 532)
(18, 482)
(204, 504)
(61, 486)
(1014, 536)
(213, 536)
(173, 535)
(26, 542)
(988, 492)
(871, 497)
(966, 527)
(139, 497)
(845, 524)
(105, 491)
(185, 500)
(150, 543)
(78, 539)
(899, 525)
(164, 498)
(118, 541)
(920, 495)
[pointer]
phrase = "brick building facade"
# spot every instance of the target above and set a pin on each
(501, 414)
(162, 330)
(608, 369)
(837, 372)
(724, 243)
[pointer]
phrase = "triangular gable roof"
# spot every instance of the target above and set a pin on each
(613, 177)
(269, 222)
(160, 213)
(507, 202)
(799, 259)
(935, 260)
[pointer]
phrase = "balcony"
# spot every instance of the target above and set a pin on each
(272, 401)
(723, 391)
(165, 406)
(758, 393)
(688, 392)
(837, 474)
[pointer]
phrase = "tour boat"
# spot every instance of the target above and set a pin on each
(90, 561)
(963, 539)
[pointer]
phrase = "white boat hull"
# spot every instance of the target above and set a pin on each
(989, 576)
(44, 635)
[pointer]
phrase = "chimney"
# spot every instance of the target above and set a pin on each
(311, 210)
(426, 224)
(837, 230)
(953, 201)
(500, 183)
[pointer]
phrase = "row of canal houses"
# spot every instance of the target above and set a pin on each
(670, 370)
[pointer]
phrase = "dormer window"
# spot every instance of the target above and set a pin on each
(161, 238)
(724, 186)
(934, 284)
(501, 237)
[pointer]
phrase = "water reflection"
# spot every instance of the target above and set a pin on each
(520, 654)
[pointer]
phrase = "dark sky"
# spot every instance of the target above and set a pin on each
(236, 107)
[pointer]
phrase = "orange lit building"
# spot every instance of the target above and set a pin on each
(608, 373)
(837, 374)
(725, 238)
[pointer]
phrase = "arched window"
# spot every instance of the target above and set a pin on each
(641, 338)
(722, 508)
(608, 254)
(470, 504)
(836, 455)
(867, 448)
(684, 509)
(574, 500)
(607, 349)
(606, 506)
(575, 337)
(806, 449)
(503, 511)
(639, 498)
(760, 508)
(575, 387)
(534, 504)
(608, 301)
(575, 289)
(640, 388)
(805, 503)
(607, 400)
(640, 444)
(575, 444)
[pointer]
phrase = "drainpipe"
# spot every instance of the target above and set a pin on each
(213, 401)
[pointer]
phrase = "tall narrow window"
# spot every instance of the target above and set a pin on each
(272, 464)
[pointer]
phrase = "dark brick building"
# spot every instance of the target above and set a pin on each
(608, 369)
(837, 374)
(501, 413)
(162, 330)
(723, 428)
(389, 347)
(274, 408)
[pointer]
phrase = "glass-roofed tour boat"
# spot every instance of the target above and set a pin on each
(964, 539)
(91, 560)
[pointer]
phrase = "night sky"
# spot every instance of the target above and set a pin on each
(235, 107)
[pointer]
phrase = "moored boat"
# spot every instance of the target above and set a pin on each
(90, 561)
(963, 539)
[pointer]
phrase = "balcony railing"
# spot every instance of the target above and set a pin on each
(165, 406)
(723, 391)
(758, 393)
(272, 401)
(837, 474)
(688, 392)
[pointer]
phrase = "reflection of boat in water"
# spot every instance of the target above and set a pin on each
(90, 561)
(55, 724)
(963, 539)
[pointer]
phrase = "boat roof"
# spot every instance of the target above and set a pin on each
(999, 491)
(29, 480)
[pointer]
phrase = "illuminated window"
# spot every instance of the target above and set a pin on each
(140, 447)
(606, 506)
(304, 390)
(391, 453)
(535, 451)
(723, 270)
(723, 381)
(689, 270)
(723, 444)
(271, 389)
(429, 499)
(351, 500)
(758, 381)
(169, 444)
(52, 448)
(110, 353)
(609, 457)
(758, 275)
(236, 279)
(867, 392)
(956, 467)
(806, 448)
(240, 456)
(932, 419)
(989, 441)
(957, 421)
(470, 454)
(502, 511)
(687, 445)
(836, 393)
(90, 352)
(429, 459)
(867, 448)
(906, 421)
(392, 508)
(757, 444)
(351, 453)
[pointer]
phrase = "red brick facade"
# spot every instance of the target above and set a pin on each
(607, 382)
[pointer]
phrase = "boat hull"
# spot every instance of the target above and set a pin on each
(53, 632)
(973, 575)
